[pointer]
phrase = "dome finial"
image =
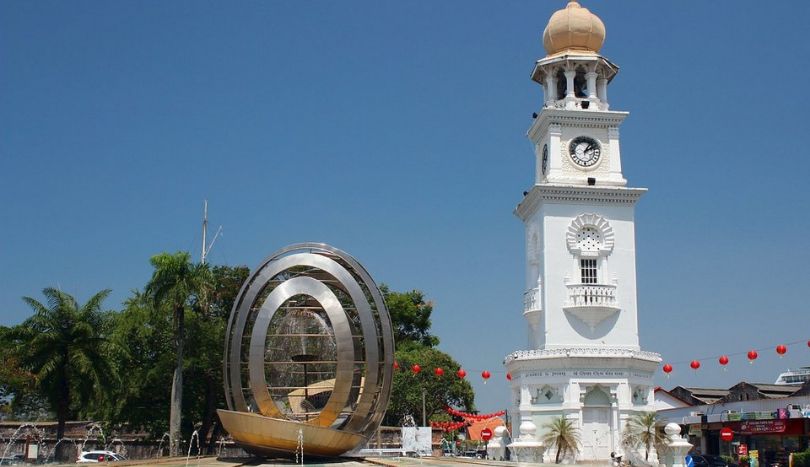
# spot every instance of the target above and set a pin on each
(573, 28)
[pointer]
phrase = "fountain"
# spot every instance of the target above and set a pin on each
(160, 444)
(52, 454)
(111, 445)
(94, 427)
(527, 449)
(29, 428)
(300, 448)
(194, 435)
(301, 322)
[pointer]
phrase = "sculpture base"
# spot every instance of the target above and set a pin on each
(273, 437)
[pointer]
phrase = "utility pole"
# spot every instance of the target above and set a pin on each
(424, 415)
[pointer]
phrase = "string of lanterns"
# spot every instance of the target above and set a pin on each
(667, 368)
(439, 372)
(472, 416)
(449, 426)
(724, 360)
(468, 419)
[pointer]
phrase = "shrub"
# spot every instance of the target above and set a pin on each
(801, 459)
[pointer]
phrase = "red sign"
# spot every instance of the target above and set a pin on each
(742, 450)
(726, 434)
(486, 434)
(762, 426)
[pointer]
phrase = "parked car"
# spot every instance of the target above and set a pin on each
(706, 460)
(95, 457)
(12, 460)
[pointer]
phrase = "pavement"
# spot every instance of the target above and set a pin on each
(343, 462)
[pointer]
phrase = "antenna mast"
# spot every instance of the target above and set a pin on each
(205, 247)
(204, 230)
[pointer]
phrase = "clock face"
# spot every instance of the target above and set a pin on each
(584, 151)
(545, 159)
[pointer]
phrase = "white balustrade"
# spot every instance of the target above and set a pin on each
(584, 295)
(531, 300)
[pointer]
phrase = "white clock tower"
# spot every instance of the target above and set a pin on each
(583, 360)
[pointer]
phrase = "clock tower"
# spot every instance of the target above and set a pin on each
(583, 360)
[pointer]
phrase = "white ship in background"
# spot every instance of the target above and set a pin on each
(799, 376)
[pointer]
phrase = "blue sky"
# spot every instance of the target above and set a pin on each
(396, 131)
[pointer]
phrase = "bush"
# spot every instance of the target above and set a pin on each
(801, 459)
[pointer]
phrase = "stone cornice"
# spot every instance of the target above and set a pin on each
(571, 117)
(582, 352)
(576, 194)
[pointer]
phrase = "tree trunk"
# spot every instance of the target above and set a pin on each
(215, 434)
(557, 459)
(177, 382)
(208, 414)
(62, 408)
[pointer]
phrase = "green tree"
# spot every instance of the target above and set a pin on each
(206, 335)
(19, 397)
(145, 350)
(562, 435)
(410, 316)
(439, 391)
(63, 346)
(640, 431)
(175, 281)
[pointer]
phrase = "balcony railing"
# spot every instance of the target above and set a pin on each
(591, 295)
(592, 303)
(531, 300)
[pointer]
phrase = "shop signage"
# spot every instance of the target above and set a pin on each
(742, 450)
(762, 426)
(694, 430)
(726, 434)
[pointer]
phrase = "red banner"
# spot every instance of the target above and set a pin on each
(762, 426)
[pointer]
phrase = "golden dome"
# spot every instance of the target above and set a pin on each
(573, 28)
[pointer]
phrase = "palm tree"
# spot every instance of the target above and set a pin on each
(640, 431)
(63, 345)
(175, 281)
(563, 435)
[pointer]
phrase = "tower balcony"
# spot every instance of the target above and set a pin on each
(531, 301)
(591, 303)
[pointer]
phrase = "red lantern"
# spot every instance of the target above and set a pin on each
(396, 365)
(461, 373)
(509, 376)
(485, 374)
(781, 350)
(723, 360)
(438, 372)
(808, 343)
(752, 355)
(667, 369)
(695, 364)
(416, 368)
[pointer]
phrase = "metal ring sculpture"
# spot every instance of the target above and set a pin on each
(309, 311)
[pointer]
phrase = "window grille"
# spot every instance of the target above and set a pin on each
(587, 268)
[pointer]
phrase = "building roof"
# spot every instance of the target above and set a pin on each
(752, 391)
(662, 390)
(699, 396)
(740, 391)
